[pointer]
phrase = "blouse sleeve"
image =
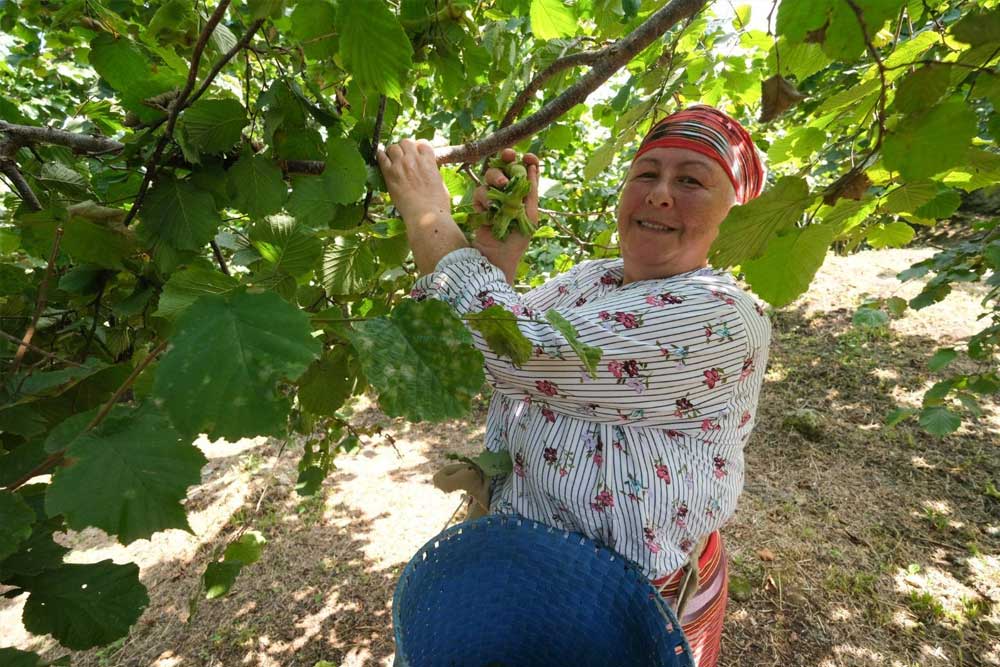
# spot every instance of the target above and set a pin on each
(670, 357)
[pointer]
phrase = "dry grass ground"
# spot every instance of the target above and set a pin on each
(859, 546)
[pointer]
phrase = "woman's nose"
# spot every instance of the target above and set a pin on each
(660, 194)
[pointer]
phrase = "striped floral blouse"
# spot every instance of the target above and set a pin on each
(648, 457)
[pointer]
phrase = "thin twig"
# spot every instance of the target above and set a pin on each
(572, 214)
(43, 291)
(97, 313)
(58, 457)
(558, 65)
(881, 73)
(217, 67)
(376, 138)
(218, 257)
(175, 108)
(43, 352)
(127, 383)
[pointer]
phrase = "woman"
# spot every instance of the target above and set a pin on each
(648, 456)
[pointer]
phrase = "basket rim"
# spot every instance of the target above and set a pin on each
(599, 549)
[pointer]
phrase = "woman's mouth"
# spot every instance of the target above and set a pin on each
(653, 226)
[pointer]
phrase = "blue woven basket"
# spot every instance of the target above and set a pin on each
(508, 592)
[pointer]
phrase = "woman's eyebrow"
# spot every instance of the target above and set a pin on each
(697, 163)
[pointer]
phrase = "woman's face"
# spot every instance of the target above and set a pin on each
(669, 212)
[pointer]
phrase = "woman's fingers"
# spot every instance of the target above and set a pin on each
(495, 177)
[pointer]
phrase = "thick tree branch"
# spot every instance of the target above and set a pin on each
(175, 109)
(21, 135)
(9, 168)
(617, 56)
(605, 61)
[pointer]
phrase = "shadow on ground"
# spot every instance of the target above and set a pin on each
(858, 544)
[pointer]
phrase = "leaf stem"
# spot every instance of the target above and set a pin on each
(43, 291)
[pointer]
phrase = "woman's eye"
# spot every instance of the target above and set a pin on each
(690, 180)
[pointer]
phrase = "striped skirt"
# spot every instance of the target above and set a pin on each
(702, 620)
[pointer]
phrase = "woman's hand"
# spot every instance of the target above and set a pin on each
(507, 253)
(411, 174)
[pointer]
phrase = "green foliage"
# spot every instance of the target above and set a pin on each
(589, 356)
(16, 519)
(83, 606)
(420, 361)
(128, 477)
(221, 575)
(229, 352)
(498, 326)
(263, 280)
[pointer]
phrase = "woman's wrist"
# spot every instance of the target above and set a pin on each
(432, 235)
(507, 264)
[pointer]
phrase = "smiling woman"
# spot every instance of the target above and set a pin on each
(646, 454)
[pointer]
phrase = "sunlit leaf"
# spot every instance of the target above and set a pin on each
(890, 235)
(789, 263)
(185, 286)
(746, 231)
(927, 144)
(589, 356)
(498, 326)
(373, 46)
(348, 266)
(420, 360)
(551, 19)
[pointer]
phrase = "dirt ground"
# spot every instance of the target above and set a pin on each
(858, 545)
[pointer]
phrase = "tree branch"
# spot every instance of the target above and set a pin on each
(617, 56)
(217, 251)
(35, 348)
(43, 291)
(79, 143)
(58, 457)
(376, 137)
(873, 52)
(558, 65)
(244, 41)
(9, 168)
(175, 108)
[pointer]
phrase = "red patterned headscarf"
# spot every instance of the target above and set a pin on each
(715, 135)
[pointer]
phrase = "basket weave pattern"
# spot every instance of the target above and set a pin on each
(507, 592)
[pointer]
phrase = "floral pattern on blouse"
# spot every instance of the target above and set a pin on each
(648, 457)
